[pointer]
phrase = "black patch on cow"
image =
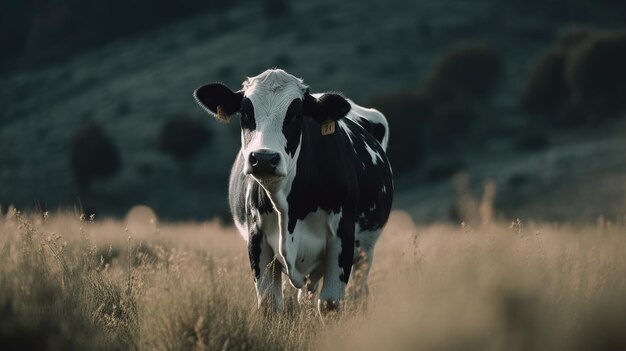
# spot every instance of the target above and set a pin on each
(345, 231)
(376, 187)
(328, 106)
(247, 120)
(376, 129)
(254, 250)
(292, 126)
(217, 94)
(258, 197)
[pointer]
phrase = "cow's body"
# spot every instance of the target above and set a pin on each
(326, 209)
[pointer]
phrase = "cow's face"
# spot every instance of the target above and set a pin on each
(272, 108)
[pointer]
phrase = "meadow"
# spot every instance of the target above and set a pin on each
(72, 282)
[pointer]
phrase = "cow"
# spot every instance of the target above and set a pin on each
(311, 187)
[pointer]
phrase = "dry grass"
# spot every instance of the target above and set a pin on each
(495, 286)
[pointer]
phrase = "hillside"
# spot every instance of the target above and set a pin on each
(133, 86)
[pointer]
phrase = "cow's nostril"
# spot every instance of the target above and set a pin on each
(274, 160)
(253, 160)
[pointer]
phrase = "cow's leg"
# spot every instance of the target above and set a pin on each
(363, 258)
(267, 273)
(310, 288)
(337, 267)
(361, 269)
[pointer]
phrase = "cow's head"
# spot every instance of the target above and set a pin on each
(271, 107)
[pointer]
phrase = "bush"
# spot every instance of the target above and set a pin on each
(596, 73)
(183, 137)
(546, 91)
(571, 37)
(92, 155)
(406, 113)
(448, 122)
(579, 79)
(470, 71)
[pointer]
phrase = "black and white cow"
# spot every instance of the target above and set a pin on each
(311, 187)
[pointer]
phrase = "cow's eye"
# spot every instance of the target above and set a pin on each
(247, 114)
(244, 117)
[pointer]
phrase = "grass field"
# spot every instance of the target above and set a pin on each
(67, 283)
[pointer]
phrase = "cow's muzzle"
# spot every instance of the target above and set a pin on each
(264, 163)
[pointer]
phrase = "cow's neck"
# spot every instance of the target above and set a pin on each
(288, 243)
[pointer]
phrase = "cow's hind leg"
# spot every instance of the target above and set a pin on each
(359, 286)
(363, 258)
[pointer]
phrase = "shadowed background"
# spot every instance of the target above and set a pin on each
(523, 103)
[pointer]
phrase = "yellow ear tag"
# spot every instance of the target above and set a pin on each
(221, 115)
(328, 127)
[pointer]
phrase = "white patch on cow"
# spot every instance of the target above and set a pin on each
(243, 227)
(367, 238)
(242, 230)
(271, 93)
(342, 124)
(305, 249)
(373, 154)
(270, 228)
(371, 115)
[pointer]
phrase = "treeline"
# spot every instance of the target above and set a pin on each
(578, 82)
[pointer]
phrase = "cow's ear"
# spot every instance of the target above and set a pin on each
(218, 100)
(327, 107)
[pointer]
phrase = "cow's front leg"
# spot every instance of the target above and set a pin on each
(306, 292)
(267, 273)
(337, 267)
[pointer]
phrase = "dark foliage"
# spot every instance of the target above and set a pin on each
(183, 137)
(406, 113)
(580, 80)
(469, 71)
(92, 155)
(49, 29)
(274, 9)
(546, 91)
(570, 37)
(596, 74)
(448, 122)
(532, 141)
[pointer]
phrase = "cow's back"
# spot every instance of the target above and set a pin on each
(372, 121)
(369, 119)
